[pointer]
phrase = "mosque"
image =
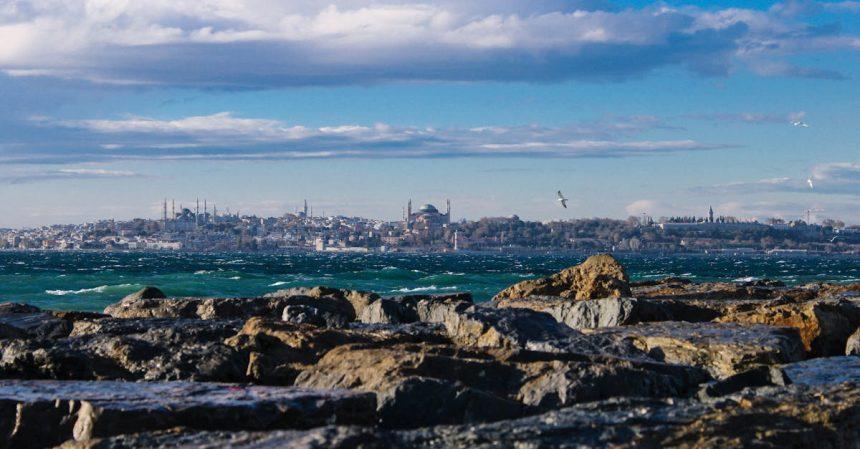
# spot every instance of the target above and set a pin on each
(427, 217)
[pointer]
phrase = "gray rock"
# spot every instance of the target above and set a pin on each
(39, 414)
(358, 299)
(762, 376)
(383, 311)
(724, 349)
(608, 312)
(26, 321)
(824, 371)
(131, 349)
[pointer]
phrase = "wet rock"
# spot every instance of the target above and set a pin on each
(608, 312)
(599, 276)
(358, 299)
(724, 349)
(824, 324)
(130, 349)
(824, 371)
(147, 292)
(852, 347)
(38, 414)
(26, 321)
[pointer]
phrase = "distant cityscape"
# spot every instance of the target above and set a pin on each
(426, 228)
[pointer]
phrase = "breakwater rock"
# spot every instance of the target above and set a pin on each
(660, 364)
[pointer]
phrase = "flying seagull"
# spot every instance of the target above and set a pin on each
(809, 181)
(800, 124)
(562, 199)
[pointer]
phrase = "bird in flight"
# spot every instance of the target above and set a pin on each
(809, 181)
(562, 199)
(800, 124)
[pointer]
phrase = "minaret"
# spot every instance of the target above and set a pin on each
(173, 208)
(214, 212)
(197, 214)
(710, 214)
(164, 217)
(409, 214)
(306, 208)
(448, 210)
(205, 209)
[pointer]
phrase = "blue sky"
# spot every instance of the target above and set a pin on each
(627, 107)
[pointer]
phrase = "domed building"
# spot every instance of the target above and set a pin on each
(427, 217)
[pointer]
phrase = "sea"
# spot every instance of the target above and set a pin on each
(92, 280)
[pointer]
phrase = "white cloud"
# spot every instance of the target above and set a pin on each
(259, 44)
(226, 136)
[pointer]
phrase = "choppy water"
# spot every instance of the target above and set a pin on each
(90, 280)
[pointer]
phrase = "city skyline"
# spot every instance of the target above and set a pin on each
(625, 106)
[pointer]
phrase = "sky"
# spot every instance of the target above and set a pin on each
(628, 107)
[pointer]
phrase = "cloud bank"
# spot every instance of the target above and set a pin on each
(261, 44)
(224, 136)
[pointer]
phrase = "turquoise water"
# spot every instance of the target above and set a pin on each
(91, 280)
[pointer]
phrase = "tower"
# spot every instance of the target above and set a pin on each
(205, 210)
(164, 217)
(710, 214)
(409, 214)
(173, 209)
(448, 211)
(197, 214)
(306, 208)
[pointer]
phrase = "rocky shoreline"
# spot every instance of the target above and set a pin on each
(584, 358)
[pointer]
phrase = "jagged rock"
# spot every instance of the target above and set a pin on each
(383, 311)
(39, 414)
(770, 418)
(556, 384)
(280, 350)
(507, 329)
(608, 312)
(148, 292)
(724, 349)
(599, 276)
(358, 299)
(130, 349)
(324, 311)
(235, 308)
(26, 321)
(418, 384)
(824, 324)
(852, 347)
(824, 371)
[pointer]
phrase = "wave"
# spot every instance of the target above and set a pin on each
(83, 291)
(431, 288)
(746, 279)
(278, 284)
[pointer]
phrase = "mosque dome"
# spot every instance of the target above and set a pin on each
(428, 209)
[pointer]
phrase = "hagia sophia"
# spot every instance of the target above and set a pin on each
(427, 217)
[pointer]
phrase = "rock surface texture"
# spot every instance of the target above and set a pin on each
(580, 359)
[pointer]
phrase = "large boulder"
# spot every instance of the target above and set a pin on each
(357, 298)
(824, 324)
(41, 414)
(724, 349)
(418, 384)
(599, 276)
(608, 312)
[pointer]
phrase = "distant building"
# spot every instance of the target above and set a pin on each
(427, 217)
